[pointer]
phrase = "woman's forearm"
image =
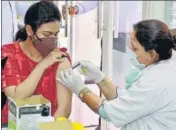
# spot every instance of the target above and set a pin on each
(108, 89)
(28, 86)
(62, 113)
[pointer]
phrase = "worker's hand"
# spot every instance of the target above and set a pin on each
(90, 70)
(71, 80)
(71, 9)
(54, 56)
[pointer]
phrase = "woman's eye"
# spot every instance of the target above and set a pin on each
(55, 34)
(49, 35)
(46, 35)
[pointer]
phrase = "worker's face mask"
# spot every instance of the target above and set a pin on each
(45, 45)
(134, 59)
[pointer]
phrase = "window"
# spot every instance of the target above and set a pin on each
(170, 13)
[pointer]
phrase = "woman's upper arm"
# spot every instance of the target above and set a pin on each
(64, 95)
(10, 74)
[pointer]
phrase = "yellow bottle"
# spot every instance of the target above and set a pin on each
(61, 119)
(75, 125)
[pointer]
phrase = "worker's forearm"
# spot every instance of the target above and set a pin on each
(92, 101)
(108, 89)
(28, 86)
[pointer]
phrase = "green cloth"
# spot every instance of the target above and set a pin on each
(131, 77)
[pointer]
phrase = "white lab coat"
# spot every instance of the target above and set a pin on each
(150, 103)
(10, 10)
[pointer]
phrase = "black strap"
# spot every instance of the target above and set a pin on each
(3, 62)
(3, 100)
(89, 126)
(101, 68)
(3, 96)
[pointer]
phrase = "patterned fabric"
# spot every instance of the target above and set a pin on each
(17, 69)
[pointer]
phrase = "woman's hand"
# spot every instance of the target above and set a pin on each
(90, 70)
(54, 56)
(71, 80)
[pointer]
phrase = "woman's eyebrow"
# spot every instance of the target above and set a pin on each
(58, 31)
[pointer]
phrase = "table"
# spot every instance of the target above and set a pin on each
(86, 128)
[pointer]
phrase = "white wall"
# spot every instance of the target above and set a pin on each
(151, 10)
(130, 12)
(86, 47)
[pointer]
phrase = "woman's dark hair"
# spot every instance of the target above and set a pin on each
(155, 35)
(38, 14)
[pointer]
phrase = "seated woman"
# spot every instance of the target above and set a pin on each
(34, 61)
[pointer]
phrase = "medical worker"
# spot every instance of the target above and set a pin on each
(150, 102)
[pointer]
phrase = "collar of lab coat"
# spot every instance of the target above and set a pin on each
(172, 59)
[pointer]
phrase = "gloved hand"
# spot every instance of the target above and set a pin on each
(71, 80)
(90, 70)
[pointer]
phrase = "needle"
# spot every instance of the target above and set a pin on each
(75, 66)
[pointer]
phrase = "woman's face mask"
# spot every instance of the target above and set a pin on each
(45, 45)
(45, 37)
(134, 60)
(133, 74)
(141, 58)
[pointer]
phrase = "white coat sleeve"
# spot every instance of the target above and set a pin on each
(141, 99)
(87, 6)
